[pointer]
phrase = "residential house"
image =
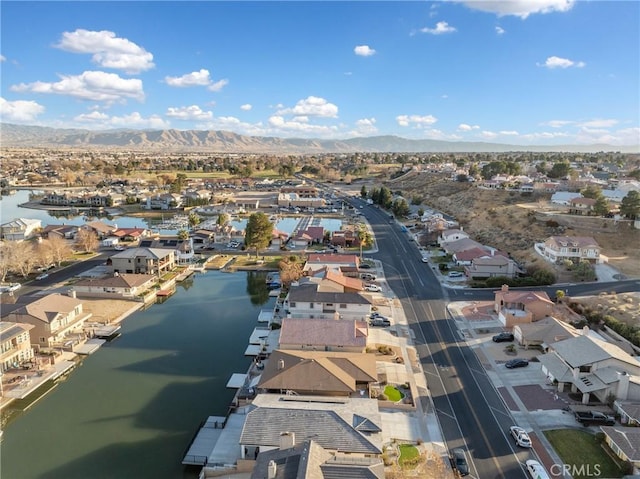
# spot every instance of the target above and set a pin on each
(67, 232)
(342, 425)
(518, 307)
(345, 238)
(15, 344)
(295, 200)
(332, 281)
(324, 335)
(460, 245)
(629, 412)
(624, 442)
(197, 195)
(305, 301)
(348, 264)
(309, 236)
(581, 206)
(451, 235)
(542, 333)
(165, 201)
(592, 366)
(183, 249)
(564, 197)
(20, 229)
(557, 249)
(465, 257)
(278, 238)
(131, 235)
(100, 228)
(118, 286)
(492, 266)
(319, 373)
(143, 261)
(54, 317)
(310, 460)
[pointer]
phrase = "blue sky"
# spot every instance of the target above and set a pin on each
(526, 72)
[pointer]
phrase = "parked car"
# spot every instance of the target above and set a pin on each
(10, 288)
(365, 266)
(516, 363)
(42, 276)
(368, 276)
(535, 470)
(455, 274)
(373, 288)
(459, 461)
(587, 418)
(521, 436)
(502, 337)
(425, 259)
(119, 247)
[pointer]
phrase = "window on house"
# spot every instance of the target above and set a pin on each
(311, 305)
(343, 306)
(585, 369)
(292, 305)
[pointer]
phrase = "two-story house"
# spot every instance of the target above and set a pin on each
(15, 344)
(183, 249)
(120, 286)
(518, 307)
(492, 266)
(556, 249)
(305, 301)
(20, 229)
(348, 264)
(143, 261)
(53, 317)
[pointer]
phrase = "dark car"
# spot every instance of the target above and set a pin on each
(516, 363)
(459, 461)
(501, 337)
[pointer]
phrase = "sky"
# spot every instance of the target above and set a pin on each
(522, 72)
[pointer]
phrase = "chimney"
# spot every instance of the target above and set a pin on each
(72, 293)
(622, 391)
(280, 364)
(505, 288)
(287, 440)
(272, 470)
(585, 331)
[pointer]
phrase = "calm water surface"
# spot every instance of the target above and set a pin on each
(131, 409)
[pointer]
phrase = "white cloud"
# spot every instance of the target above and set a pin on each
(219, 85)
(558, 123)
(291, 126)
(189, 113)
(364, 51)
(489, 134)
(199, 78)
(364, 127)
(557, 62)
(108, 50)
(416, 120)
(3, 58)
(499, 30)
(100, 120)
(246, 107)
(508, 133)
(311, 106)
(544, 135)
(89, 85)
(599, 123)
(19, 110)
(465, 127)
(441, 27)
(519, 8)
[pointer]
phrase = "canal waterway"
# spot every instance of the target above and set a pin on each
(131, 409)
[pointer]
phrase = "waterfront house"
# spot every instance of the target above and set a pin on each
(323, 335)
(345, 238)
(67, 232)
(518, 307)
(183, 249)
(332, 281)
(100, 228)
(20, 229)
(143, 261)
(119, 286)
(319, 373)
(15, 344)
(310, 460)
(278, 238)
(131, 235)
(557, 249)
(305, 301)
(592, 366)
(340, 425)
(348, 264)
(55, 318)
(163, 201)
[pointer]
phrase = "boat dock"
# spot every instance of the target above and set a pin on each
(90, 346)
(204, 441)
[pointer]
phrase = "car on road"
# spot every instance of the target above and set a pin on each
(119, 247)
(459, 461)
(502, 337)
(425, 259)
(42, 276)
(535, 470)
(520, 435)
(373, 288)
(10, 288)
(516, 363)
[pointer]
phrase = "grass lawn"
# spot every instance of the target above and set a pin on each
(581, 448)
(393, 393)
(408, 454)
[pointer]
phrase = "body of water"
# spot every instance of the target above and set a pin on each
(131, 409)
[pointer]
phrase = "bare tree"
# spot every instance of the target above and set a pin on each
(58, 248)
(87, 241)
(22, 258)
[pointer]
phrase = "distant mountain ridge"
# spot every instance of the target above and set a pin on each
(12, 135)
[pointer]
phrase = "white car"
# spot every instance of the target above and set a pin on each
(425, 259)
(10, 288)
(521, 436)
(455, 274)
(373, 288)
(42, 276)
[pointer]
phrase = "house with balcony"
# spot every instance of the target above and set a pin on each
(15, 344)
(20, 229)
(54, 317)
(589, 365)
(184, 250)
(557, 249)
(519, 307)
(323, 335)
(154, 261)
(306, 301)
(581, 206)
(165, 201)
(119, 286)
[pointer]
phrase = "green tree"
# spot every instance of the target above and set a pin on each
(258, 232)
(400, 207)
(584, 271)
(223, 219)
(183, 235)
(384, 198)
(630, 205)
(474, 170)
(601, 206)
(363, 191)
(559, 170)
(194, 220)
(592, 192)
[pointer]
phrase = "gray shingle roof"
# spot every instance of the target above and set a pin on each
(309, 293)
(264, 426)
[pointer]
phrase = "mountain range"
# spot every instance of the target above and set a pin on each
(12, 135)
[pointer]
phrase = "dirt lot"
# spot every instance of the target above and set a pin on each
(512, 222)
(624, 306)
